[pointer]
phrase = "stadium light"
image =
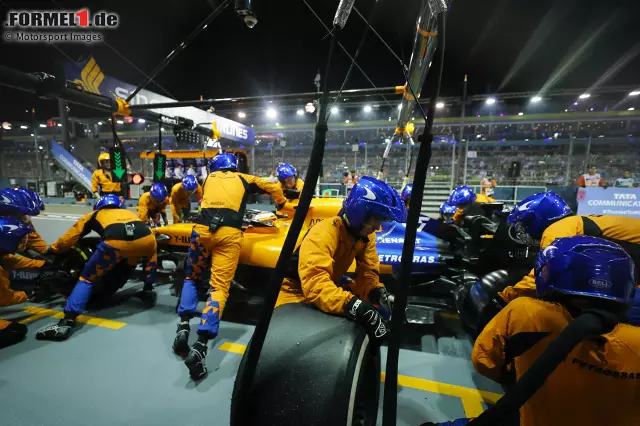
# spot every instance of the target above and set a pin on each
(120, 122)
(521, 113)
(310, 107)
(6, 125)
(584, 96)
(162, 129)
(536, 99)
(490, 101)
(24, 127)
(272, 113)
(367, 108)
(631, 109)
(242, 114)
(277, 124)
(32, 134)
(141, 120)
(300, 112)
(440, 105)
(575, 103)
(346, 121)
(400, 106)
(334, 110)
(99, 123)
(635, 93)
(43, 125)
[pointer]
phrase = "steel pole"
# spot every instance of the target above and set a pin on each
(466, 143)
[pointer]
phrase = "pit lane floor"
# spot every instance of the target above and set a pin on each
(118, 369)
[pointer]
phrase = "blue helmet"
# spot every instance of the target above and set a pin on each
(537, 212)
(406, 192)
(461, 195)
(371, 196)
(12, 231)
(158, 192)
(447, 208)
(189, 183)
(226, 161)
(586, 266)
(17, 203)
(285, 170)
(33, 196)
(111, 201)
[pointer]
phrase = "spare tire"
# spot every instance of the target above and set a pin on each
(314, 369)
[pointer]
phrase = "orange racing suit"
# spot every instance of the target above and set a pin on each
(322, 259)
(622, 230)
(148, 209)
(181, 201)
(125, 238)
(216, 241)
(7, 263)
(102, 182)
(596, 385)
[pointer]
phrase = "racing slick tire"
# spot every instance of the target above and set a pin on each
(314, 369)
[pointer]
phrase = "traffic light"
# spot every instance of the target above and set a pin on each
(118, 164)
(159, 167)
(137, 179)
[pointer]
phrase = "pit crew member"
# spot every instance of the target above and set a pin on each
(180, 199)
(102, 180)
(154, 203)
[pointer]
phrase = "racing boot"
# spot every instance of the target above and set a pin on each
(148, 295)
(57, 332)
(195, 361)
(181, 342)
(11, 333)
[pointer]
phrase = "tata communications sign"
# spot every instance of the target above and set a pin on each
(610, 201)
(91, 77)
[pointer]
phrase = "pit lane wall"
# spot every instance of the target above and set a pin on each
(609, 201)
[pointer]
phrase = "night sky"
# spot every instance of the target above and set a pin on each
(504, 46)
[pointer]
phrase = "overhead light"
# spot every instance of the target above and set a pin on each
(32, 134)
(40, 147)
(566, 110)
(584, 96)
(631, 109)
(59, 125)
(99, 123)
(490, 101)
(346, 121)
(242, 114)
(119, 121)
(575, 103)
(334, 110)
(400, 106)
(277, 124)
(24, 127)
(162, 129)
(300, 112)
(43, 125)
(521, 113)
(272, 113)
(367, 108)
(310, 107)
(440, 105)
(635, 93)
(6, 125)
(141, 120)
(536, 99)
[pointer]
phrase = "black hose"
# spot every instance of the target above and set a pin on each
(389, 414)
(240, 407)
(589, 323)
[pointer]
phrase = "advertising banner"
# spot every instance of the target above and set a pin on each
(70, 164)
(93, 80)
(609, 201)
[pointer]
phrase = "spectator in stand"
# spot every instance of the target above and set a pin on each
(487, 184)
(177, 172)
(203, 173)
(167, 173)
(191, 171)
(625, 182)
(591, 179)
(354, 176)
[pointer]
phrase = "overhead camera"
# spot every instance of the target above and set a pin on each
(244, 9)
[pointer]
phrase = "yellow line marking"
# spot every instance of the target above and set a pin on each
(236, 348)
(31, 318)
(471, 398)
(100, 322)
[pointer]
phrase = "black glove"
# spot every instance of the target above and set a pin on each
(280, 206)
(383, 301)
(292, 194)
(364, 313)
